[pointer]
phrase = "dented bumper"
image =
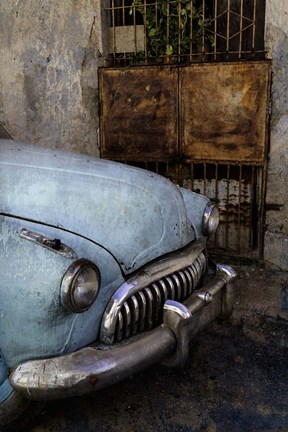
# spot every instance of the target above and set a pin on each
(95, 367)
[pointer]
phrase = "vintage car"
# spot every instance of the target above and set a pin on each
(104, 271)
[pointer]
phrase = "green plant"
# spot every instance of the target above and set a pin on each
(174, 28)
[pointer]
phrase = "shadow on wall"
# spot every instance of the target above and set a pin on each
(4, 134)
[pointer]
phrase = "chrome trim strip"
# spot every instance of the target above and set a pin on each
(54, 245)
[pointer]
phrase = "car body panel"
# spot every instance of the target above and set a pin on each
(30, 287)
(194, 207)
(145, 212)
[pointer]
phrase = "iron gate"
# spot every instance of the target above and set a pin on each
(199, 121)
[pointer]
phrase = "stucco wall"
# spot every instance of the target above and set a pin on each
(276, 237)
(49, 54)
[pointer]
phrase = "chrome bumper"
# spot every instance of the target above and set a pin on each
(95, 367)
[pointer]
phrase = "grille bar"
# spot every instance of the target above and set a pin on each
(143, 310)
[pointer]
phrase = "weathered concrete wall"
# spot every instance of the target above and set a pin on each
(276, 238)
(49, 54)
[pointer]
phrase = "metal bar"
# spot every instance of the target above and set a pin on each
(123, 13)
(253, 197)
(224, 162)
(113, 27)
(203, 31)
(192, 175)
(227, 207)
(168, 25)
(228, 26)
(179, 30)
(191, 29)
(145, 34)
(254, 25)
(241, 28)
(262, 182)
(178, 173)
(135, 31)
(123, 21)
(216, 181)
(239, 208)
(216, 200)
(215, 28)
(204, 177)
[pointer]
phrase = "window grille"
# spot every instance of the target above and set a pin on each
(169, 31)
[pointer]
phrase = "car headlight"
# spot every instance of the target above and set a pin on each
(210, 219)
(80, 286)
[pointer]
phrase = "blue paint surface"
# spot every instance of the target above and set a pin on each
(117, 216)
(135, 214)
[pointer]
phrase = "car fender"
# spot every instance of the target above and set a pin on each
(33, 321)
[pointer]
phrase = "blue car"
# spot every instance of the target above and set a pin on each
(104, 272)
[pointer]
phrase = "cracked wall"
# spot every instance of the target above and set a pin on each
(276, 236)
(50, 52)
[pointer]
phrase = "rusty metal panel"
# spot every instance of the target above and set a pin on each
(139, 118)
(224, 111)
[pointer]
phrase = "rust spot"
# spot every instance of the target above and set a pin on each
(93, 380)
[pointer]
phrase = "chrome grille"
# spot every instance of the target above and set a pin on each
(144, 309)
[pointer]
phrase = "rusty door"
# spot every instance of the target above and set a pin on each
(223, 111)
(140, 113)
(202, 125)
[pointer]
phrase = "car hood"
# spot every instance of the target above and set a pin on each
(134, 214)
